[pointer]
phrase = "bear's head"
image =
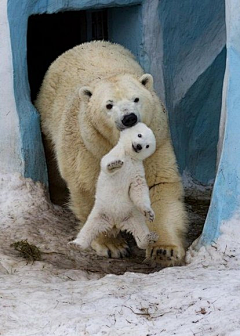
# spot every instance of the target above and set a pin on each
(139, 141)
(119, 102)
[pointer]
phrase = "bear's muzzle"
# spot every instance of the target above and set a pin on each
(129, 120)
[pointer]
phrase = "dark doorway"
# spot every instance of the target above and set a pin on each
(49, 35)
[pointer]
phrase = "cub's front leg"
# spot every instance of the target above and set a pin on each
(111, 164)
(139, 194)
(114, 165)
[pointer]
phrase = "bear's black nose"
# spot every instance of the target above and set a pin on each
(129, 120)
(139, 147)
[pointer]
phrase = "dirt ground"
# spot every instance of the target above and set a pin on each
(30, 215)
(197, 207)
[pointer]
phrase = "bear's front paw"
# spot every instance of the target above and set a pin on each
(165, 255)
(110, 246)
(112, 166)
(149, 214)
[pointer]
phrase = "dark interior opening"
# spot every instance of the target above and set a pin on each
(49, 35)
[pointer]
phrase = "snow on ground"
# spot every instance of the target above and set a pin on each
(55, 296)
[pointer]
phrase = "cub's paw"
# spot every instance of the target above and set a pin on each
(79, 244)
(149, 214)
(152, 237)
(111, 247)
(112, 166)
(147, 240)
(165, 255)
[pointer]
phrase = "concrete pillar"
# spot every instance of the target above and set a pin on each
(225, 202)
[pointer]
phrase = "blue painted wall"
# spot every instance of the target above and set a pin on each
(195, 122)
(31, 144)
(226, 193)
(125, 28)
(193, 66)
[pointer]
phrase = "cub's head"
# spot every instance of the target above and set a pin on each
(119, 102)
(139, 141)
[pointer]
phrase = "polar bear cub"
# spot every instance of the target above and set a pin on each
(122, 199)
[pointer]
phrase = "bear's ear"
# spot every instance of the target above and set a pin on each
(85, 93)
(147, 81)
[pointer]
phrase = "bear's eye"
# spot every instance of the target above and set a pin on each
(136, 100)
(147, 146)
(139, 135)
(109, 106)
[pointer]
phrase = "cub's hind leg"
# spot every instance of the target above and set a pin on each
(135, 224)
(96, 224)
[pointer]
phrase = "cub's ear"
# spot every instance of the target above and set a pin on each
(147, 81)
(85, 93)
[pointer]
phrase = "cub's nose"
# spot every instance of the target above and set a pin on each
(129, 120)
(139, 147)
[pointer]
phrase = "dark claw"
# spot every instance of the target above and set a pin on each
(164, 252)
(151, 252)
(171, 253)
(121, 256)
(109, 254)
(128, 252)
(159, 252)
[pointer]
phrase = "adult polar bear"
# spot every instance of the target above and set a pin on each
(89, 94)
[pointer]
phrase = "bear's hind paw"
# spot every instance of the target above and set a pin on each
(111, 247)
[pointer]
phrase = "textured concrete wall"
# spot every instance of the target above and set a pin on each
(225, 202)
(138, 29)
(10, 140)
(130, 33)
(193, 34)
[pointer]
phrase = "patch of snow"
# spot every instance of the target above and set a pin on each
(51, 297)
(225, 252)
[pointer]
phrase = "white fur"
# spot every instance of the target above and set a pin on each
(122, 196)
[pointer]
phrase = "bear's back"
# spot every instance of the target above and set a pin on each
(86, 63)
(93, 60)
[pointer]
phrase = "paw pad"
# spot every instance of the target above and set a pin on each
(115, 164)
(149, 214)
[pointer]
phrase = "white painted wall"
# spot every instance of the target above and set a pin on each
(10, 156)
